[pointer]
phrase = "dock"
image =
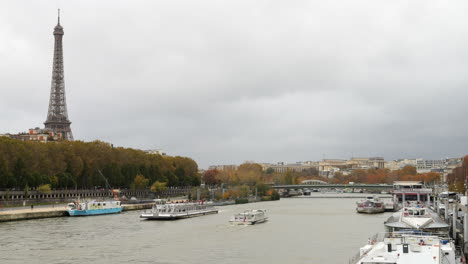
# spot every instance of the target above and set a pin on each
(50, 212)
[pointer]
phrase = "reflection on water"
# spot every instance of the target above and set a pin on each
(322, 231)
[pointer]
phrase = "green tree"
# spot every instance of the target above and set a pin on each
(44, 188)
(158, 186)
(140, 182)
(26, 191)
(262, 189)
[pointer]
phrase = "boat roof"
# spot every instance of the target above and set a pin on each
(429, 252)
(394, 220)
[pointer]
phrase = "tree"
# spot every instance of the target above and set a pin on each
(359, 176)
(290, 177)
(408, 170)
(262, 189)
(269, 170)
(158, 186)
(140, 182)
(44, 188)
(250, 173)
(210, 177)
(26, 191)
(75, 164)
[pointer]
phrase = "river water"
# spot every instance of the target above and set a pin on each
(300, 230)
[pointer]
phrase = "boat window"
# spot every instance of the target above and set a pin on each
(99, 204)
(104, 204)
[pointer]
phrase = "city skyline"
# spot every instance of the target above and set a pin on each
(223, 83)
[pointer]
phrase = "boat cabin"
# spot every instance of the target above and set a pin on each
(411, 191)
(415, 212)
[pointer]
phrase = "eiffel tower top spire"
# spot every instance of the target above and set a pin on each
(57, 116)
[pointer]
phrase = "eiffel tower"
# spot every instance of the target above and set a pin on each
(57, 116)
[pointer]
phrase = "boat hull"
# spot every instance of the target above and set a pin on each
(370, 210)
(249, 222)
(95, 211)
(151, 216)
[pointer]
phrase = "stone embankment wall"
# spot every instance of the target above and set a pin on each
(49, 212)
(64, 196)
(26, 214)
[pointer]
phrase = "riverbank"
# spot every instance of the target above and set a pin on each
(342, 195)
(26, 213)
(50, 212)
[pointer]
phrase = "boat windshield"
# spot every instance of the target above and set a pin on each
(415, 212)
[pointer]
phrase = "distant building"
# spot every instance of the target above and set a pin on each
(327, 164)
(423, 165)
(400, 163)
(155, 152)
(281, 167)
(37, 134)
(223, 167)
(366, 163)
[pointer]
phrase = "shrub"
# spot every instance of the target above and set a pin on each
(44, 188)
(242, 200)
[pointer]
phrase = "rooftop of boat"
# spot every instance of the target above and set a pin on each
(395, 219)
(407, 249)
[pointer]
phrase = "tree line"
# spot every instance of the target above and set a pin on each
(373, 176)
(77, 164)
(458, 179)
(252, 174)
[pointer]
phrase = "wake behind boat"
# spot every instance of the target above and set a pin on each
(172, 211)
(249, 217)
(94, 208)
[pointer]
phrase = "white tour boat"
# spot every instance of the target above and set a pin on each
(408, 248)
(93, 208)
(249, 217)
(416, 218)
(370, 205)
(172, 211)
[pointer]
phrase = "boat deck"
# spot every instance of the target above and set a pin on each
(426, 254)
(409, 250)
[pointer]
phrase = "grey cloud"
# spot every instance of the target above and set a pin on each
(228, 81)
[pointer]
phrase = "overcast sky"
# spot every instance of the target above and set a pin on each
(228, 81)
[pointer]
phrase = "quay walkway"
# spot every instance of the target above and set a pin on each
(340, 195)
(26, 213)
